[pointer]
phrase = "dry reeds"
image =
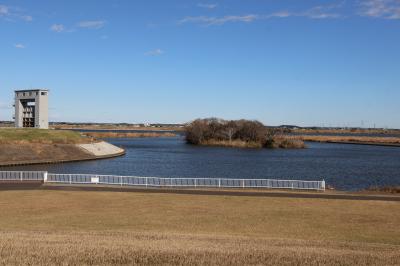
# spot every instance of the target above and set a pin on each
(130, 134)
(350, 139)
(233, 143)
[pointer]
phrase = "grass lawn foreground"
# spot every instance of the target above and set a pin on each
(99, 228)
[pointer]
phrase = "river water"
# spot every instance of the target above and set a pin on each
(342, 166)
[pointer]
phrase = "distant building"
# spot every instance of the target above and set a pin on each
(32, 108)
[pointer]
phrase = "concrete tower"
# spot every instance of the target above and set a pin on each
(32, 108)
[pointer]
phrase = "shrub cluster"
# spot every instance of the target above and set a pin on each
(216, 131)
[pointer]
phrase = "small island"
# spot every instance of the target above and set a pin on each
(238, 133)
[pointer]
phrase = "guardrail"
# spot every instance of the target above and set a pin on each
(91, 179)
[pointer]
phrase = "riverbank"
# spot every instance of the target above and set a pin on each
(278, 143)
(194, 229)
(102, 135)
(365, 140)
(116, 127)
(39, 146)
(369, 131)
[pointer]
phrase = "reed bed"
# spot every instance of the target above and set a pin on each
(350, 139)
(283, 142)
(347, 131)
(130, 134)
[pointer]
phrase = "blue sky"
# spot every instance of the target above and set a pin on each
(322, 63)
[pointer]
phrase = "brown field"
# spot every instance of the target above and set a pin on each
(352, 139)
(347, 131)
(129, 134)
(101, 228)
(42, 136)
(115, 127)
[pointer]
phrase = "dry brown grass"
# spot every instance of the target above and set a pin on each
(347, 131)
(92, 228)
(115, 127)
(288, 142)
(282, 142)
(128, 248)
(42, 136)
(233, 143)
(129, 134)
(36, 152)
(355, 139)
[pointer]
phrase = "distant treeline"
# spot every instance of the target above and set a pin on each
(237, 133)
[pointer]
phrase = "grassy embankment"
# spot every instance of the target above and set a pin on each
(395, 141)
(129, 134)
(102, 228)
(44, 136)
(40, 145)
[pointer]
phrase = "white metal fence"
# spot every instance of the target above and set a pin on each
(22, 176)
(162, 182)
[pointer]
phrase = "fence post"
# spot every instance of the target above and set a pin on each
(45, 177)
(292, 186)
(195, 182)
(146, 181)
(20, 175)
(70, 179)
(219, 182)
(323, 185)
(243, 183)
(120, 180)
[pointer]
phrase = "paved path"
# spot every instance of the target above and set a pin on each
(188, 191)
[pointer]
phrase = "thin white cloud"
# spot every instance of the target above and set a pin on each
(155, 52)
(387, 9)
(205, 20)
(281, 14)
(318, 12)
(208, 6)
(57, 28)
(26, 18)
(322, 12)
(19, 46)
(13, 14)
(92, 24)
(4, 10)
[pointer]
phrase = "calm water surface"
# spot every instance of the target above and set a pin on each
(343, 166)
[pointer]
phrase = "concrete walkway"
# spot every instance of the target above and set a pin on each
(101, 149)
